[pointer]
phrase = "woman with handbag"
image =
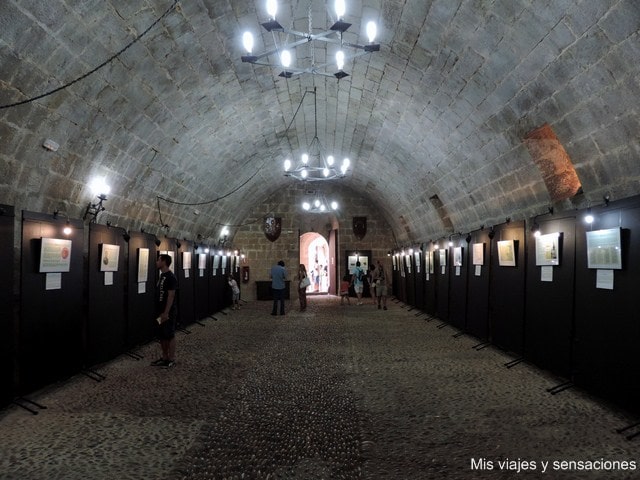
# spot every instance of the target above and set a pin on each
(303, 283)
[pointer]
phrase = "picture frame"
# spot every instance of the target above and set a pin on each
(442, 257)
(506, 253)
(478, 254)
(604, 249)
(457, 257)
(55, 255)
(186, 260)
(432, 267)
(202, 261)
(416, 257)
(143, 264)
(109, 256)
(548, 249)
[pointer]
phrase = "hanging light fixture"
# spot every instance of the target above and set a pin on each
(313, 164)
(319, 203)
(289, 39)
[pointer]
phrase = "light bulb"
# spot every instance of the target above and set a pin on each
(66, 230)
(225, 231)
(317, 203)
(588, 218)
(287, 165)
(343, 169)
(285, 58)
(330, 160)
(99, 186)
(340, 59)
(322, 208)
(304, 174)
(306, 205)
(206, 250)
(450, 243)
(220, 252)
(372, 31)
(346, 162)
(536, 233)
(341, 8)
(272, 8)
(411, 251)
(305, 158)
(325, 172)
(334, 205)
(235, 252)
(247, 41)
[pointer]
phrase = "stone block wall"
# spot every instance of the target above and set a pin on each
(261, 253)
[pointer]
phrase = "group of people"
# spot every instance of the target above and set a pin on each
(377, 282)
(167, 311)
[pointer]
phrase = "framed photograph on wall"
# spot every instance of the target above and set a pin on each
(416, 256)
(478, 253)
(143, 264)
(548, 249)
(186, 260)
(109, 255)
(506, 253)
(457, 257)
(216, 262)
(604, 249)
(393, 259)
(443, 257)
(55, 255)
(432, 267)
(202, 261)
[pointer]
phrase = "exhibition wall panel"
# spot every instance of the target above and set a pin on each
(442, 272)
(419, 280)
(478, 284)
(607, 327)
(186, 274)
(459, 258)
(7, 304)
(550, 295)
(507, 284)
(106, 323)
(201, 283)
(410, 280)
(51, 314)
(431, 281)
(141, 289)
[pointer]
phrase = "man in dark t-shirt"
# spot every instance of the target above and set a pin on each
(166, 311)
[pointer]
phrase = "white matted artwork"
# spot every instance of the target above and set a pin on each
(416, 256)
(364, 263)
(109, 256)
(604, 249)
(443, 257)
(393, 259)
(548, 249)
(202, 261)
(457, 257)
(478, 253)
(55, 255)
(352, 259)
(216, 262)
(506, 253)
(186, 260)
(143, 264)
(432, 267)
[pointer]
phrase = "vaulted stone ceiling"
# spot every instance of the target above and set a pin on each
(441, 110)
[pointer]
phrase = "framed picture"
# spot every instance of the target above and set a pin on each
(548, 249)
(393, 259)
(143, 264)
(416, 256)
(216, 262)
(186, 260)
(432, 267)
(109, 255)
(407, 261)
(478, 253)
(443, 257)
(506, 253)
(604, 249)
(224, 262)
(457, 257)
(55, 255)
(202, 261)
(352, 259)
(364, 262)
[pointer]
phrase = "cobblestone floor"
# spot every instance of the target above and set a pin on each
(334, 392)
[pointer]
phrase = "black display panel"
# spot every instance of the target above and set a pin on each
(478, 285)
(201, 282)
(458, 283)
(506, 297)
(105, 335)
(442, 272)
(186, 274)
(430, 283)
(141, 286)
(7, 303)
(51, 305)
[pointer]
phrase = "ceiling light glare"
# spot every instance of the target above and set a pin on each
(272, 8)
(247, 41)
(372, 31)
(285, 58)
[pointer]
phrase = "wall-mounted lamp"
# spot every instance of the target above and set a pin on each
(157, 242)
(206, 249)
(607, 199)
(492, 233)
(126, 236)
(450, 241)
(589, 216)
(536, 230)
(67, 228)
(468, 239)
(100, 189)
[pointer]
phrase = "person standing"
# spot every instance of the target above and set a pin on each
(303, 283)
(235, 292)
(372, 283)
(167, 312)
(357, 279)
(278, 278)
(344, 290)
(380, 280)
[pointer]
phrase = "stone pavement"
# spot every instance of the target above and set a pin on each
(335, 392)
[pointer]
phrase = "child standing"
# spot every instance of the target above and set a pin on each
(344, 290)
(235, 290)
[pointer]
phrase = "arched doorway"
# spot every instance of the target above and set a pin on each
(314, 254)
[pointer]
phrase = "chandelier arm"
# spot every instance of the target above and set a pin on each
(277, 49)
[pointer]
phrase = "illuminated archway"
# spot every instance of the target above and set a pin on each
(314, 254)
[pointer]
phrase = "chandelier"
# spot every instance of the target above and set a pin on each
(283, 47)
(319, 203)
(313, 164)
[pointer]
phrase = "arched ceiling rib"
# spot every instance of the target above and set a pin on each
(441, 110)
